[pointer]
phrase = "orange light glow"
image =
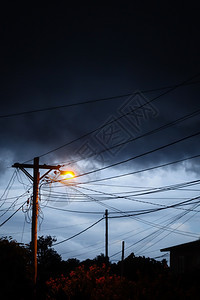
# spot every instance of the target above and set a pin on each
(67, 174)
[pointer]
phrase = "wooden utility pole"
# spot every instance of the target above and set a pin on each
(36, 179)
(122, 263)
(106, 234)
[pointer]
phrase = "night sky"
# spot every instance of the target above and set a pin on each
(142, 61)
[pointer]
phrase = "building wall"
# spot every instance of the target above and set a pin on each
(185, 260)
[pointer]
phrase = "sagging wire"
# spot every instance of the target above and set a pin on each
(82, 231)
(158, 232)
(13, 204)
(155, 233)
(12, 215)
(27, 210)
(7, 189)
(20, 180)
(195, 206)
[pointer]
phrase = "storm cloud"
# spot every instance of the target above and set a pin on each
(55, 56)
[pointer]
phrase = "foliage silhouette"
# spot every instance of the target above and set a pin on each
(96, 279)
(15, 270)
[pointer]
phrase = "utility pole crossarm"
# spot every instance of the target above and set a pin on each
(31, 166)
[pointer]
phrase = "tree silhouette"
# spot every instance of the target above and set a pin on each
(15, 271)
(45, 253)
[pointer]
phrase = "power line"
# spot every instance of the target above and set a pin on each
(79, 232)
(110, 243)
(8, 187)
(122, 212)
(174, 228)
(97, 201)
(85, 247)
(74, 211)
(156, 234)
(154, 190)
(161, 256)
(110, 198)
(165, 126)
(158, 209)
(160, 226)
(180, 204)
(13, 204)
(143, 170)
(151, 235)
(62, 227)
(146, 202)
(171, 187)
(141, 155)
(65, 240)
(147, 211)
(12, 215)
(136, 212)
(66, 105)
(108, 123)
(95, 100)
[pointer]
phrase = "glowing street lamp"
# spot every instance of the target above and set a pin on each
(67, 175)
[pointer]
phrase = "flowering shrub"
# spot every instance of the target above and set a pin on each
(95, 283)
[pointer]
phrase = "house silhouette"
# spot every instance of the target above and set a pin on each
(184, 258)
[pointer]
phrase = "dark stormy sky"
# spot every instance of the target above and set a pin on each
(58, 54)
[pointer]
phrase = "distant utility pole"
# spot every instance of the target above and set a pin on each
(122, 264)
(106, 234)
(36, 179)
